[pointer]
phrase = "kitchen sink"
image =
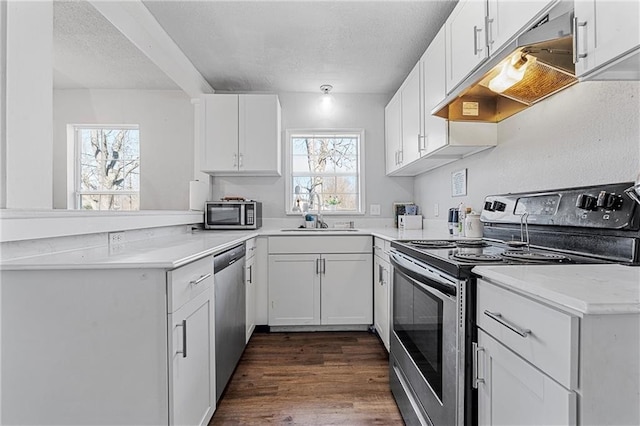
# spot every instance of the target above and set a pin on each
(319, 230)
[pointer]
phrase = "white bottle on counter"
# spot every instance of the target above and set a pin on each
(461, 215)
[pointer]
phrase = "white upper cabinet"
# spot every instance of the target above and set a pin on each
(411, 116)
(241, 135)
(434, 91)
(607, 39)
(505, 19)
(393, 133)
(466, 40)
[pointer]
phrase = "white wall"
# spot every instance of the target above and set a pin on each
(166, 125)
(585, 135)
(300, 111)
(26, 131)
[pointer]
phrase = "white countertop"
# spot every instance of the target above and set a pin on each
(173, 251)
(587, 289)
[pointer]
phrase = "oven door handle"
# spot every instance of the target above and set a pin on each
(416, 271)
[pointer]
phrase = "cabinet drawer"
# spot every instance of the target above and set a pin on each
(250, 246)
(320, 244)
(381, 248)
(550, 337)
(188, 281)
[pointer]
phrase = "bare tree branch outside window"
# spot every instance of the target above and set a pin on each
(329, 166)
(109, 168)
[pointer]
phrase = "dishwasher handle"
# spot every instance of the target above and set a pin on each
(227, 258)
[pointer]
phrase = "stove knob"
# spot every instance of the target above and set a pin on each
(609, 201)
(488, 206)
(498, 206)
(586, 202)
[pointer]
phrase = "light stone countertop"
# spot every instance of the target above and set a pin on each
(581, 288)
(173, 251)
(586, 289)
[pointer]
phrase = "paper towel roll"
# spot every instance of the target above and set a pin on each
(198, 194)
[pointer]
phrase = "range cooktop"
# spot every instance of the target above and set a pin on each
(458, 256)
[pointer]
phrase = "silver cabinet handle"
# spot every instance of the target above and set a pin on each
(400, 157)
(380, 272)
(184, 338)
(317, 266)
(199, 280)
(476, 30)
(324, 266)
(496, 316)
(577, 56)
(235, 160)
(240, 160)
(487, 24)
(476, 350)
(250, 274)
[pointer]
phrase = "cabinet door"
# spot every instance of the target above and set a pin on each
(219, 133)
(259, 134)
(434, 77)
(191, 354)
(393, 133)
(294, 289)
(506, 18)
(249, 277)
(605, 31)
(514, 392)
(411, 111)
(346, 295)
(466, 40)
(381, 298)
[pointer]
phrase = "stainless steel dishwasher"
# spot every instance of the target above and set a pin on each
(230, 306)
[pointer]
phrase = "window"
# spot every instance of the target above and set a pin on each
(325, 167)
(107, 173)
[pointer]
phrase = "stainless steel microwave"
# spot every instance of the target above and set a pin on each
(232, 215)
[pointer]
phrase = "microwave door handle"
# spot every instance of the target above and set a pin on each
(242, 215)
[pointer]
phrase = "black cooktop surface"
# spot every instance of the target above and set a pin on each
(457, 257)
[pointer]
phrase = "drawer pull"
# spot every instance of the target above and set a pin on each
(496, 316)
(199, 280)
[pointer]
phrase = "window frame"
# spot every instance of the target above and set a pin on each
(360, 133)
(77, 193)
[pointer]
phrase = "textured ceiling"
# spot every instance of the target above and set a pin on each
(90, 53)
(256, 46)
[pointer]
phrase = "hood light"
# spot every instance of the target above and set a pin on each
(511, 73)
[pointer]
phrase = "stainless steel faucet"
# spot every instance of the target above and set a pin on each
(319, 222)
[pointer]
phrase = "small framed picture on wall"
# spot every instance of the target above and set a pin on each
(459, 183)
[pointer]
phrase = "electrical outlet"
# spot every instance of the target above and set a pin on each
(436, 210)
(116, 240)
(374, 209)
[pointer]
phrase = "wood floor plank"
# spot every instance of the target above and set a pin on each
(321, 378)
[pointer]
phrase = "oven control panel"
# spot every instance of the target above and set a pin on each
(601, 206)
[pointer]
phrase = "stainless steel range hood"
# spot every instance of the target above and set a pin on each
(547, 50)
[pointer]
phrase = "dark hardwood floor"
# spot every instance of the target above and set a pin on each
(321, 378)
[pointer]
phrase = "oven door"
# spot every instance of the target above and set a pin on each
(424, 342)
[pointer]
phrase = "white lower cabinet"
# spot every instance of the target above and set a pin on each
(329, 287)
(250, 278)
(108, 346)
(382, 290)
(538, 363)
(191, 390)
(514, 392)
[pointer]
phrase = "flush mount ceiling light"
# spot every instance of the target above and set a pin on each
(326, 88)
(326, 100)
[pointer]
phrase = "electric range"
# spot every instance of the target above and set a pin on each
(433, 285)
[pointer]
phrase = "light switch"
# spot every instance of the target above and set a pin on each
(374, 209)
